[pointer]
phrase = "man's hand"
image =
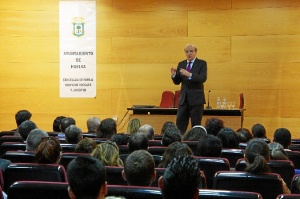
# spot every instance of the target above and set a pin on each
(185, 72)
(173, 71)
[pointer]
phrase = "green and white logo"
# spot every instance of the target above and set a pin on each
(78, 26)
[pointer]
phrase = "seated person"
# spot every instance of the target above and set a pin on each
(195, 133)
(228, 138)
(148, 130)
(166, 125)
(209, 146)
(244, 135)
(87, 178)
(277, 151)
(214, 125)
(181, 179)
(172, 134)
(49, 151)
(65, 123)
(283, 136)
(139, 169)
(107, 128)
(25, 128)
(86, 145)
(174, 150)
(108, 153)
(56, 123)
(133, 126)
(138, 141)
(34, 139)
(22, 116)
(120, 138)
(73, 134)
(93, 124)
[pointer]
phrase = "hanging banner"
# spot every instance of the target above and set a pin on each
(77, 45)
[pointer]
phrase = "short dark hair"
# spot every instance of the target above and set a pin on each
(86, 145)
(283, 136)
(244, 135)
(48, 151)
(56, 123)
(139, 168)
(181, 178)
(107, 128)
(228, 138)
(209, 146)
(21, 116)
(172, 134)
(86, 175)
(258, 131)
(214, 125)
(25, 128)
(66, 122)
(138, 141)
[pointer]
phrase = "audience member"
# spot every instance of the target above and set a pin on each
(209, 146)
(174, 150)
(120, 138)
(139, 169)
(4, 164)
(228, 138)
(138, 141)
(148, 130)
(277, 151)
(244, 135)
(93, 124)
(56, 123)
(49, 151)
(25, 128)
(87, 178)
(283, 136)
(107, 128)
(22, 116)
(214, 125)
(65, 123)
(34, 138)
(172, 134)
(181, 179)
(166, 125)
(73, 134)
(258, 131)
(86, 145)
(195, 133)
(257, 154)
(133, 125)
(108, 153)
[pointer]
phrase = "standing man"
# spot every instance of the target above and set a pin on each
(191, 73)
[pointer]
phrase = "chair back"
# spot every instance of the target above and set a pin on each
(12, 146)
(33, 171)
(157, 150)
(67, 147)
(269, 185)
(38, 190)
(114, 175)
(295, 147)
(294, 156)
(167, 99)
(67, 157)
(20, 156)
(232, 155)
(210, 165)
(285, 168)
(224, 194)
(295, 188)
(192, 145)
(134, 192)
(155, 143)
(288, 196)
(3, 133)
(10, 138)
(176, 100)
(296, 141)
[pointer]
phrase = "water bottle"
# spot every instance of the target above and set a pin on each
(224, 103)
(218, 103)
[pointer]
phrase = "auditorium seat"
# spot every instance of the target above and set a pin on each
(294, 147)
(33, 171)
(114, 175)
(210, 165)
(285, 168)
(123, 149)
(224, 194)
(67, 147)
(232, 155)
(176, 100)
(192, 145)
(268, 185)
(295, 184)
(294, 156)
(167, 99)
(12, 146)
(89, 135)
(10, 138)
(67, 157)
(2, 133)
(20, 156)
(157, 150)
(296, 141)
(288, 196)
(52, 134)
(38, 190)
(155, 143)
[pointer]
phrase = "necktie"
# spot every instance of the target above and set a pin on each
(188, 68)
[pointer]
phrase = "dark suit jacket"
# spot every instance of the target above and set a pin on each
(192, 89)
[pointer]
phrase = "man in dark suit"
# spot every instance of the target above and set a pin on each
(191, 73)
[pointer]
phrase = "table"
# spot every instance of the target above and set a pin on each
(156, 116)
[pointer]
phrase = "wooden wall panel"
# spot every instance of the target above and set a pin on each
(266, 49)
(169, 50)
(244, 22)
(256, 4)
(159, 24)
